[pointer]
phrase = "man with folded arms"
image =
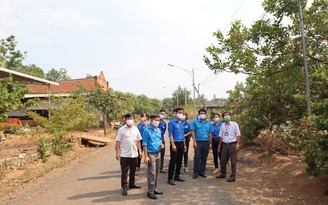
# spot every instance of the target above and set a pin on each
(230, 142)
(127, 145)
(152, 145)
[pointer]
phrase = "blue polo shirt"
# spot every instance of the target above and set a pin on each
(152, 139)
(162, 127)
(142, 127)
(202, 129)
(216, 130)
(176, 130)
(186, 126)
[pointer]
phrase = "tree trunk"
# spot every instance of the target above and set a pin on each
(105, 124)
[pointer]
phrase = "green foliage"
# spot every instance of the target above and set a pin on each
(44, 148)
(57, 75)
(11, 95)
(270, 52)
(10, 57)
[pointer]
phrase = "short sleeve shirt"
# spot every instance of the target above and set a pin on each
(202, 129)
(152, 139)
(229, 132)
(216, 130)
(176, 130)
(162, 127)
(128, 138)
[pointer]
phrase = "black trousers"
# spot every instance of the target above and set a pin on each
(162, 156)
(215, 144)
(128, 164)
(185, 155)
(175, 160)
(229, 152)
(139, 158)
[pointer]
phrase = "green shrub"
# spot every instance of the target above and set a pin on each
(44, 148)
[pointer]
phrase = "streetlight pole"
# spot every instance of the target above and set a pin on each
(192, 75)
(308, 99)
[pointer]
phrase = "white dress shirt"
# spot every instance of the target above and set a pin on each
(229, 132)
(128, 138)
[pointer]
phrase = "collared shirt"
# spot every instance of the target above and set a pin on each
(152, 139)
(229, 132)
(176, 130)
(186, 126)
(128, 138)
(216, 130)
(141, 126)
(162, 127)
(202, 129)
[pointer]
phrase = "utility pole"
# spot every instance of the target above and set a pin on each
(308, 99)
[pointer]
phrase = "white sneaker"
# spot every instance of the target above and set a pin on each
(186, 170)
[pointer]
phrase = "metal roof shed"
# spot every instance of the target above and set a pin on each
(24, 78)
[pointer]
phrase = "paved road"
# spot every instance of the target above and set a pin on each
(96, 180)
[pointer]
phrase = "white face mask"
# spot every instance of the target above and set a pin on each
(143, 119)
(129, 122)
(155, 123)
(216, 119)
(183, 118)
(202, 116)
(162, 116)
(179, 115)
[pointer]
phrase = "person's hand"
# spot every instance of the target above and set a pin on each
(117, 156)
(146, 160)
(162, 146)
(210, 146)
(237, 148)
(185, 149)
(195, 145)
(174, 148)
(219, 149)
(141, 155)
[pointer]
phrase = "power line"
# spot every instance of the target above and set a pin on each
(234, 15)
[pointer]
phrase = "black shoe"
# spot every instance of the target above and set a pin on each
(170, 181)
(124, 191)
(179, 179)
(151, 195)
(158, 192)
(220, 176)
(202, 175)
(231, 179)
(134, 186)
(162, 171)
(195, 176)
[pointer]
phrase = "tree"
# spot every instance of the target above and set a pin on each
(105, 101)
(10, 57)
(270, 52)
(182, 95)
(11, 95)
(57, 75)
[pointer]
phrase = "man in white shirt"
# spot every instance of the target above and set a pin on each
(127, 145)
(230, 143)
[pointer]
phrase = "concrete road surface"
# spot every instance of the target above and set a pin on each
(96, 180)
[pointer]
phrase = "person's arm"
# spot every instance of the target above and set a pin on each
(210, 140)
(170, 128)
(219, 146)
(146, 159)
(237, 132)
(192, 130)
(117, 148)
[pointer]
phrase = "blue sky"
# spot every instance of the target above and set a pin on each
(132, 41)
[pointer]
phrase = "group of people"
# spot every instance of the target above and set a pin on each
(146, 140)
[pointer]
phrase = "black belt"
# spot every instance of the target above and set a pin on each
(216, 140)
(230, 142)
(202, 140)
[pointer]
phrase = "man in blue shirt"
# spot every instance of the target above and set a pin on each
(162, 127)
(201, 131)
(143, 124)
(152, 145)
(177, 147)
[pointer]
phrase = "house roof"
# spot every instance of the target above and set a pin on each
(68, 86)
(24, 78)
